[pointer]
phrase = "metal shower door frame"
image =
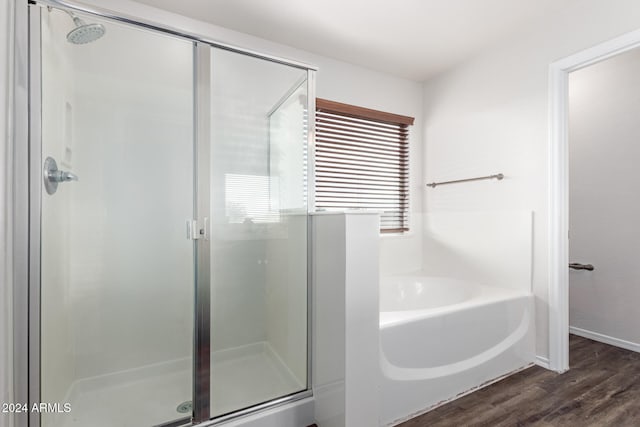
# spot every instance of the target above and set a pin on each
(202, 161)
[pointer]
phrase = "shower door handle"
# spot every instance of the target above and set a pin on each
(196, 232)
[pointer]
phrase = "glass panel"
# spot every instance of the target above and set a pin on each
(259, 231)
(117, 268)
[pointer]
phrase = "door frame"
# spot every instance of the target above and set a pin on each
(558, 213)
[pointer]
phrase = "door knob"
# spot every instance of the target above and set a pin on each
(578, 266)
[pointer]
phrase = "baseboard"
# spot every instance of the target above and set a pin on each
(543, 362)
(617, 342)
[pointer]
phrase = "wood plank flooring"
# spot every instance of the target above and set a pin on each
(601, 389)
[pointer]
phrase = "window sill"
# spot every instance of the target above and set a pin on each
(403, 235)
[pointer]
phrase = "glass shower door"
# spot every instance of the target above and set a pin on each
(117, 269)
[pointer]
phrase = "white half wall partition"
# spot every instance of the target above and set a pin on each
(345, 284)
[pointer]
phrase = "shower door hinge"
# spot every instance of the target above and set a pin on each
(196, 231)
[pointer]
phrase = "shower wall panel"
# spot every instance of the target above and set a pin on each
(133, 152)
(58, 94)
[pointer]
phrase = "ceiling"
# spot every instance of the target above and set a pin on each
(414, 39)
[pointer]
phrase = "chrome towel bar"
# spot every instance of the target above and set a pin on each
(497, 176)
(578, 266)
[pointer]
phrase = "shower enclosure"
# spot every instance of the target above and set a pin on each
(168, 224)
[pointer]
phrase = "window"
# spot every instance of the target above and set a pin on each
(249, 198)
(362, 161)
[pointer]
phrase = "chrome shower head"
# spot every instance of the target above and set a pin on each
(84, 33)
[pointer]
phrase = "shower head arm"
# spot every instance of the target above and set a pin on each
(76, 20)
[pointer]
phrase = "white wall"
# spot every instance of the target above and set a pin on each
(604, 100)
(492, 247)
(6, 335)
(490, 115)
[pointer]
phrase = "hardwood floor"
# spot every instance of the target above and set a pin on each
(601, 388)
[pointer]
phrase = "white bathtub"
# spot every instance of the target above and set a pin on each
(442, 337)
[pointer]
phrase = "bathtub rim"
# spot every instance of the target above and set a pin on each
(487, 295)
